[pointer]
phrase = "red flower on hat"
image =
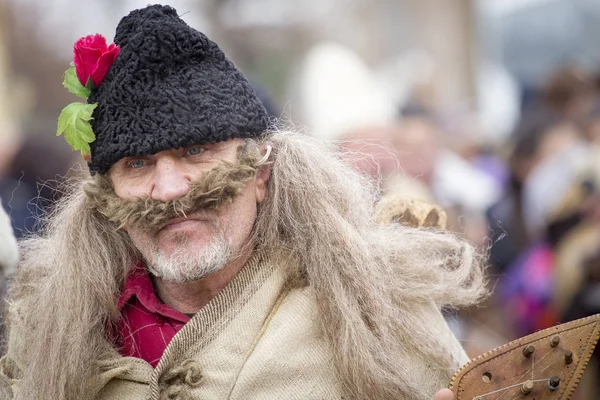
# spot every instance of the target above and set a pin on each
(93, 58)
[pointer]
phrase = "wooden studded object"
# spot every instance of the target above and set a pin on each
(546, 365)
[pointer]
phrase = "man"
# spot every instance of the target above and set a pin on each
(211, 256)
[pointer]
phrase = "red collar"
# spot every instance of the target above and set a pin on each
(139, 284)
(147, 324)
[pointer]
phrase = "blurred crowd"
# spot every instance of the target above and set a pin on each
(531, 200)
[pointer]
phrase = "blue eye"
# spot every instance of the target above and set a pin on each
(136, 164)
(194, 151)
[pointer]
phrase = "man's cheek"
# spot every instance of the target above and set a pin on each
(140, 240)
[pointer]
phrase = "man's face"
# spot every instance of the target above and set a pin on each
(195, 245)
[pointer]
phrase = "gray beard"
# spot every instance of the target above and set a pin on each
(187, 265)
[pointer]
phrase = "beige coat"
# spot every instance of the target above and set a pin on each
(255, 340)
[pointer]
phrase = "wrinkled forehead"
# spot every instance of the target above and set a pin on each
(222, 148)
(233, 151)
(229, 151)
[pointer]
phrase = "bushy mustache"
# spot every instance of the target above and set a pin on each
(215, 187)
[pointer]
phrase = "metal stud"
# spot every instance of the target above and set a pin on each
(527, 387)
(568, 356)
(554, 383)
(555, 341)
(528, 350)
(487, 377)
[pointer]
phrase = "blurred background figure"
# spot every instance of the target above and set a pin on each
(488, 108)
(9, 257)
(9, 253)
(29, 184)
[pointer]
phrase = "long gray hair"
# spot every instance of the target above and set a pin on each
(365, 278)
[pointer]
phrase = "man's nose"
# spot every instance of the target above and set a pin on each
(169, 182)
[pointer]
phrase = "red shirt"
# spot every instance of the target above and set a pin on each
(147, 324)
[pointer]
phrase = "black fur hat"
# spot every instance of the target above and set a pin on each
(169, 87)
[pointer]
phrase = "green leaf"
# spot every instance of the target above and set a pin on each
(71, 82)
(74, 121)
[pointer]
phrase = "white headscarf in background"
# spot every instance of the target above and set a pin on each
(338, 93)
(545, 188)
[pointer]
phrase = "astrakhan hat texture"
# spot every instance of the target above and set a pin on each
(169, 87)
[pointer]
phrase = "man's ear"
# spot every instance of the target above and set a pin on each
(261, 182)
